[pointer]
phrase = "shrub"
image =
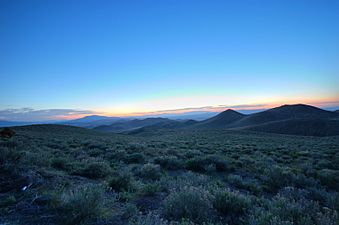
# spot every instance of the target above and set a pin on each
(231, 203)
(121, 181)
(150, 189)
(190, 203)
(82, 204)
(329, 178)
(59, 163)
(292, 210)
(150, 171)
(196, 165)
(248, 184)
(169, 162)
(276, 178)
(202, 163)
(7, 133)
(9, 158)
(9, 200)
(95, 170)
(130, 211)
(149, 219)
(135, 158)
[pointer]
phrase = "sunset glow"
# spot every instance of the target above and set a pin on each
(134, 58)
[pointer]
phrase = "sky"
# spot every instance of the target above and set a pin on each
(67, 59)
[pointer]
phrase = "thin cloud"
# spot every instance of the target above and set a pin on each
(217, 108)
(29, 114)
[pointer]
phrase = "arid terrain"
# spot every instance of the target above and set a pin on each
(56, 174)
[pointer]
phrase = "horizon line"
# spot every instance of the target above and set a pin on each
(71, 114)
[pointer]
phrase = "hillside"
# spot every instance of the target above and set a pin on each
(305, 127)
(222, 120)
(92, 121)
(285, 112)
(287, 119)
(296, 119)
(55, 129)
(5, 123)
(124, 126)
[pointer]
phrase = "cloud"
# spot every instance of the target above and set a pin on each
(217, 108)
(29, 114)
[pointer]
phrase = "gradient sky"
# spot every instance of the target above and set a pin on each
(122, 57)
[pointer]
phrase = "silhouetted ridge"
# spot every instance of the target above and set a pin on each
(221, 120)
(301, 111)
(133, 124)
(285, 112)
(296, 119)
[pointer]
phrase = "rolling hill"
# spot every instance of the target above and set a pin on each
(305, 127)
(222, 120)
(296, 119)
(130, 125)
(285, 112)
(93, 121)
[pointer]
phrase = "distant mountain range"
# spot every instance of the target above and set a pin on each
(93, 121)
(287, 119)
(296, 119)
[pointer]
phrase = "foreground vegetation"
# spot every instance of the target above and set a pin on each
(65, 175)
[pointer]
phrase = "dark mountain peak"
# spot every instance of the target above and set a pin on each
(90, 118)
(221, 120)
(230, 111)
(297, 106)
(301, 111)
(94, 117)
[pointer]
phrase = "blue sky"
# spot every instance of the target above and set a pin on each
(122, 57)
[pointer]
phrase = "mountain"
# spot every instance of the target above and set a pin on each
(305, 127)
(285, 112)
(123, 126)
(296, 119)
(171, 124)
(93, 121)
(196, 115)
(5, 123)
(222, 120)
(88, 119)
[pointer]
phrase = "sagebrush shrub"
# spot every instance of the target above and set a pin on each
(96, 170)
(60, 163)
(329, 178)
(149, 219)
(150, 171)
(231, 203)
(202, 163)
(120, 181)
(190, 203)
(169, 162)
(276, 177)
(292, 209)
(134, 158)
(82, 204)
(150, 189)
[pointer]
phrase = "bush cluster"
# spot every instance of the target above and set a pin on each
(190, 203)
(121, 181)
(231, 203)
(169, 162)
(82, 204)
(150, 171)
